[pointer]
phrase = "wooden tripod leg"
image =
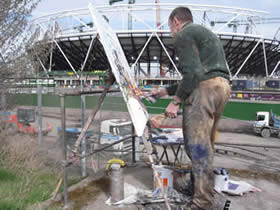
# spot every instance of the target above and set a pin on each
(155, 153)
(57, 188)
(109, 82)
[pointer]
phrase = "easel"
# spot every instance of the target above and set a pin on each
(66, 163)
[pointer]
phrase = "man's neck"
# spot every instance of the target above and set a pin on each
(184, 23)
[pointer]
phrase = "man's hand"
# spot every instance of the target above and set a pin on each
(173, 108)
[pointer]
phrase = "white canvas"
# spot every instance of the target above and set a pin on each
(122, 71)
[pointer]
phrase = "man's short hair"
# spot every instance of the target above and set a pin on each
(182, 14)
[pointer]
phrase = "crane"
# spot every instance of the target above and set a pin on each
(248, 23)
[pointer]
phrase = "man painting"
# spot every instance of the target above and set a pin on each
(204, 90)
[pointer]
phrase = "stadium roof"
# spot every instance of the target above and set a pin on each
(145, 40)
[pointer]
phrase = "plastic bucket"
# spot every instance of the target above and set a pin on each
(221, 179)
(166, 177)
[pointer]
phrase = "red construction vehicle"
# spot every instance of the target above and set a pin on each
(21, 123)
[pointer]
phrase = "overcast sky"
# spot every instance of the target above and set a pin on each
(271, 6)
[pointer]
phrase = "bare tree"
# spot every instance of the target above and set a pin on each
(15, 36)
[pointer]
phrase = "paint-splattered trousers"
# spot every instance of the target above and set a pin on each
(202, 111)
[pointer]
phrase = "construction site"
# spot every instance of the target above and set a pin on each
(81, 132)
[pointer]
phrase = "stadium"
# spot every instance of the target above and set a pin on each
(75, 53)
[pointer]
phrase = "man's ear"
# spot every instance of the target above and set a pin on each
(176, 21)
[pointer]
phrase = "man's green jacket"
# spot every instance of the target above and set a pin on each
(201, 57)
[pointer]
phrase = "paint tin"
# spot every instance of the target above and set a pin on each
(165, 175)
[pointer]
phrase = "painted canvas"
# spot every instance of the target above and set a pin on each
(122, 71)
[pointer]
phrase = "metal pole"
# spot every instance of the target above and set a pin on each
(252, 51)
(166, 52)
(88, 53)
(4, 109)
(83, 107)
(39, 106)
(64, 151)
(265, 59)
(106, 147)
(73, 69)
(276, 66)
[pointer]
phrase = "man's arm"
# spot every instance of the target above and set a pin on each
(191, 67)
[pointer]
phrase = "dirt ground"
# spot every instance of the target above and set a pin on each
(258, 166)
